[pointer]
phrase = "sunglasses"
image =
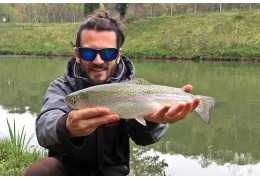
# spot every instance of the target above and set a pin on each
(106, 54)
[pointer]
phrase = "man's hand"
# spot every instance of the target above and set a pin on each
(176, 112)
(85, 121)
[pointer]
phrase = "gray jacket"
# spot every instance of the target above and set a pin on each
(106, 150)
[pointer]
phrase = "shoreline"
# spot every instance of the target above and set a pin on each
(146, 57)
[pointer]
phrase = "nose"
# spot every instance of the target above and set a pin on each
(98, 60)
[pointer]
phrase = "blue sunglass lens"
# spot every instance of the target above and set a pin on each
(109, 54)
(87, 54)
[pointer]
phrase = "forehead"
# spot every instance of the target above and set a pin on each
(98, 39)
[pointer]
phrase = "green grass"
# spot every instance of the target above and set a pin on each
(19, 140)
(15, 154)
(41, 39)
(14, 165)
(230, 35)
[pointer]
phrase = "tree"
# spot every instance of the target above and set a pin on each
(121, 8)
(90, 7)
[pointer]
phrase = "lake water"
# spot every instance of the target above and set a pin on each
(228, 146)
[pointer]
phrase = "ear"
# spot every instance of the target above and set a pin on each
(120, 51)
(76, 55)
(119, 55)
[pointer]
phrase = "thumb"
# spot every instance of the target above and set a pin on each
(187, 88)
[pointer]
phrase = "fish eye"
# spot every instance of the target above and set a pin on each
(74, 100)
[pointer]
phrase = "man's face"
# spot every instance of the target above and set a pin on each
(98, 70)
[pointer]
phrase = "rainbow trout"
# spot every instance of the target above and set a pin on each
(136, 98)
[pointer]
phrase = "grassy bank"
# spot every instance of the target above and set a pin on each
(227, 35)
(15, 154)
(14, 163)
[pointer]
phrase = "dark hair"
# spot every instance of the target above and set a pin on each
(101, 21)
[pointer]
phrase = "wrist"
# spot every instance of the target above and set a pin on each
(61, 128)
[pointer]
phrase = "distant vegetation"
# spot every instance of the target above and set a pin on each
(228, 35)
(59, 13)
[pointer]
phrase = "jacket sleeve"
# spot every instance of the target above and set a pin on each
(145, 135)
(50, 123)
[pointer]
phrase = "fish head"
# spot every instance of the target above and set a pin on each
(72, 101)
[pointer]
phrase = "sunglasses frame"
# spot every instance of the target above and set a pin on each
(97, 51)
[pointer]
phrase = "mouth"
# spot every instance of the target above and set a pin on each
(98, 69)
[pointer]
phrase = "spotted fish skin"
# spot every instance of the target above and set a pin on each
(132, 100)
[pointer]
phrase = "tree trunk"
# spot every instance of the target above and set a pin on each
(171, 9)
(195, 7)
(220, 7)
(152, 10)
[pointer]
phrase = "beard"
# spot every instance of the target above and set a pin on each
(85, 71)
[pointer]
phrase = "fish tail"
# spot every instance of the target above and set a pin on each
(203, 109)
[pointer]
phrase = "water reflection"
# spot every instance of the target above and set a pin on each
(144, 163)
(151, 162)
(26, 119)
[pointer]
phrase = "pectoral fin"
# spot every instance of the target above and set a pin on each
(141, 120)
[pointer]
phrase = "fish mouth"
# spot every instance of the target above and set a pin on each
(66, 99)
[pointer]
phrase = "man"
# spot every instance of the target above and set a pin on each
(94, 141)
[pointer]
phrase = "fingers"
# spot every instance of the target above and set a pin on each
(90, 113)
(83, 122)
(98, 121)
(158, 115)
(175, 110)
(82, 132)
(187, 88)
(195, 104)
(162, 111)
(86, 126)
(92, 124)
(184, 112)
(178, 113)
(181, 111)
(173, 113)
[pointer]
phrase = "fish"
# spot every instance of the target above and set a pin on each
(134, 99)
